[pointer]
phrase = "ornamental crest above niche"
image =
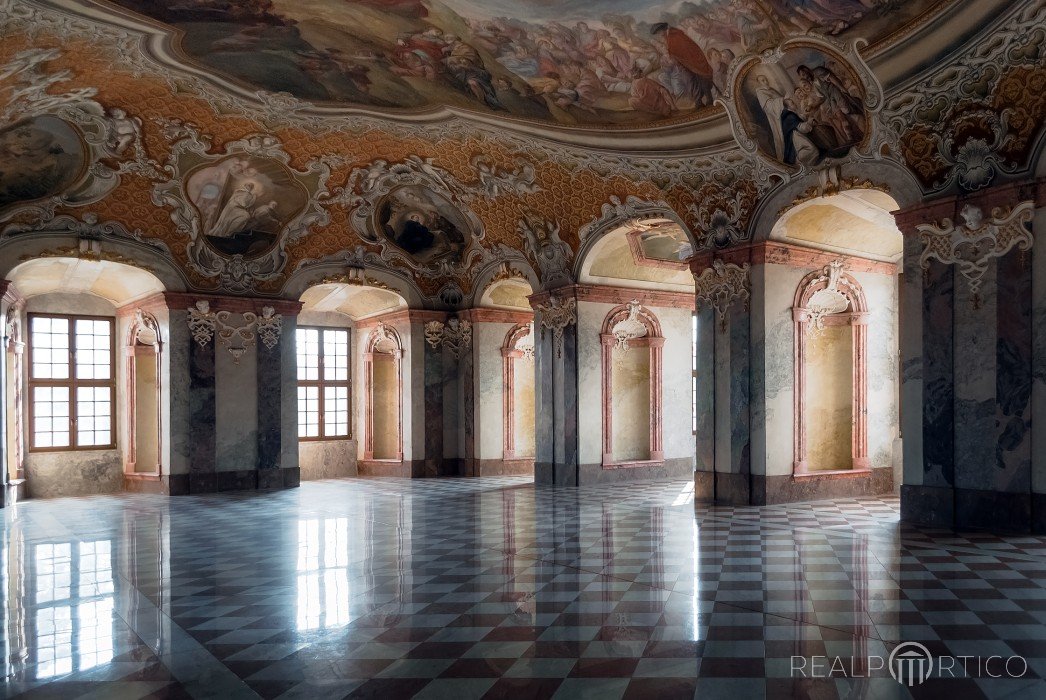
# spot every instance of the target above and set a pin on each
(59, 149)
(418, 214)
(241, 207)
(804, 104)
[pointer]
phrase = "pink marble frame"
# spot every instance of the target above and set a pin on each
(133, 351)
(857, 319)
(370, 356)
(654, 341)
(510, 355)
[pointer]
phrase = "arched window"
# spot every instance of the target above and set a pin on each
(143, 349)
(383, 376)
(518, 362)
(831, 367)
(631, 363)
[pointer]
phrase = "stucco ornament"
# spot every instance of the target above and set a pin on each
(719, 222)
(434, 333)
(556, 315)
(146, 329)
(386, 340)
(237, 338)
(973, 243)
(723, 284)
(629, 328)
(202, 323)
(550, 253)
(370, 187)
(241, 207)
(631, 212)
(455, 335)
(526, 344)
(71, 151)
(827, 301)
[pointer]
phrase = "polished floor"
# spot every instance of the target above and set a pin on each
(495, 588)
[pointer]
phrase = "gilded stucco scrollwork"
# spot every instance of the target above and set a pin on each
(970, 245)
(722, 285)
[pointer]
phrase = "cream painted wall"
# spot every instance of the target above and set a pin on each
(780, 284)
(524, 408)
(829, 390)
(630, 404)
(677, 430)
(386, 407)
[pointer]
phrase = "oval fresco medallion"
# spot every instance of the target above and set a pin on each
(425, 225)
(244, 204)
(39, 157)
(803, 108)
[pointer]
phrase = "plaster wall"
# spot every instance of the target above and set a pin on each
(829, 391)
(630, 404)
(487, 340)
(779, 286)
(677, 429)
(236, 406)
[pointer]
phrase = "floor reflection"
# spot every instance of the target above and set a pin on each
(494, 588)
(323, 575)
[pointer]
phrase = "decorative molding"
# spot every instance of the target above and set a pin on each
(972, 244)
(145, 330)
(368, 185)
(721, 285)
(205, 324)
(628, 328)
(630, 212)
(202, 323)
(830, 297)
(111, 139)
(488, 315)
(830, 183)
(455, 335)
(434, 333)
(549, 253)
(556, 315)
(789, 254)
(719, 224)
(192, 150)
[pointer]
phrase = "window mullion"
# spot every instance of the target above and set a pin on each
(74, 441)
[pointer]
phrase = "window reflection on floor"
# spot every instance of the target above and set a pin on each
(323, 579)
(73, 604)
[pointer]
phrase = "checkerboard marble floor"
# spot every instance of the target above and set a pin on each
(496, 588)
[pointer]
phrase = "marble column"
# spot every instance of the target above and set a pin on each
(556, 388)
(706, 402)
(1038, 362)
(202, 415)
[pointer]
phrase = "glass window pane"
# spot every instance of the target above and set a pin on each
(50, 412)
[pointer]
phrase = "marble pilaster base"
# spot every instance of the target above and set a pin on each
(972, 509)
(239, 480)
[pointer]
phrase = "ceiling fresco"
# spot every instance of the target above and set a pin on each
(569, 63)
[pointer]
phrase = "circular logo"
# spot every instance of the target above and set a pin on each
(910, 663)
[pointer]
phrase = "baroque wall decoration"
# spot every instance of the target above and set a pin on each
(240, 208)
(628, 328)
(721, 285)
(549, 253)
(973, 243)
(455, 335)
(556, 315)
(59, 149)
(977, 119)
(202, 323)
(205, 325)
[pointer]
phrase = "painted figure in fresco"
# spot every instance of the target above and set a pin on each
(405, 53)
(421, 224)
(237, 212)
(34, 163)
(684, 51)
(649, 95)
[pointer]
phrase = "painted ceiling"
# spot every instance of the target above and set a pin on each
(573, 63)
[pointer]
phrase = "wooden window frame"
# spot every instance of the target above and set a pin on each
(322, 383)
(72, 383)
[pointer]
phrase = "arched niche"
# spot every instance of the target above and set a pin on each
(383, 378)
(518, 370)
(830, 315)
(631, 342)
(142, 351)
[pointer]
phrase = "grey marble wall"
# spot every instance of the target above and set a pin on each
(83, 473)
